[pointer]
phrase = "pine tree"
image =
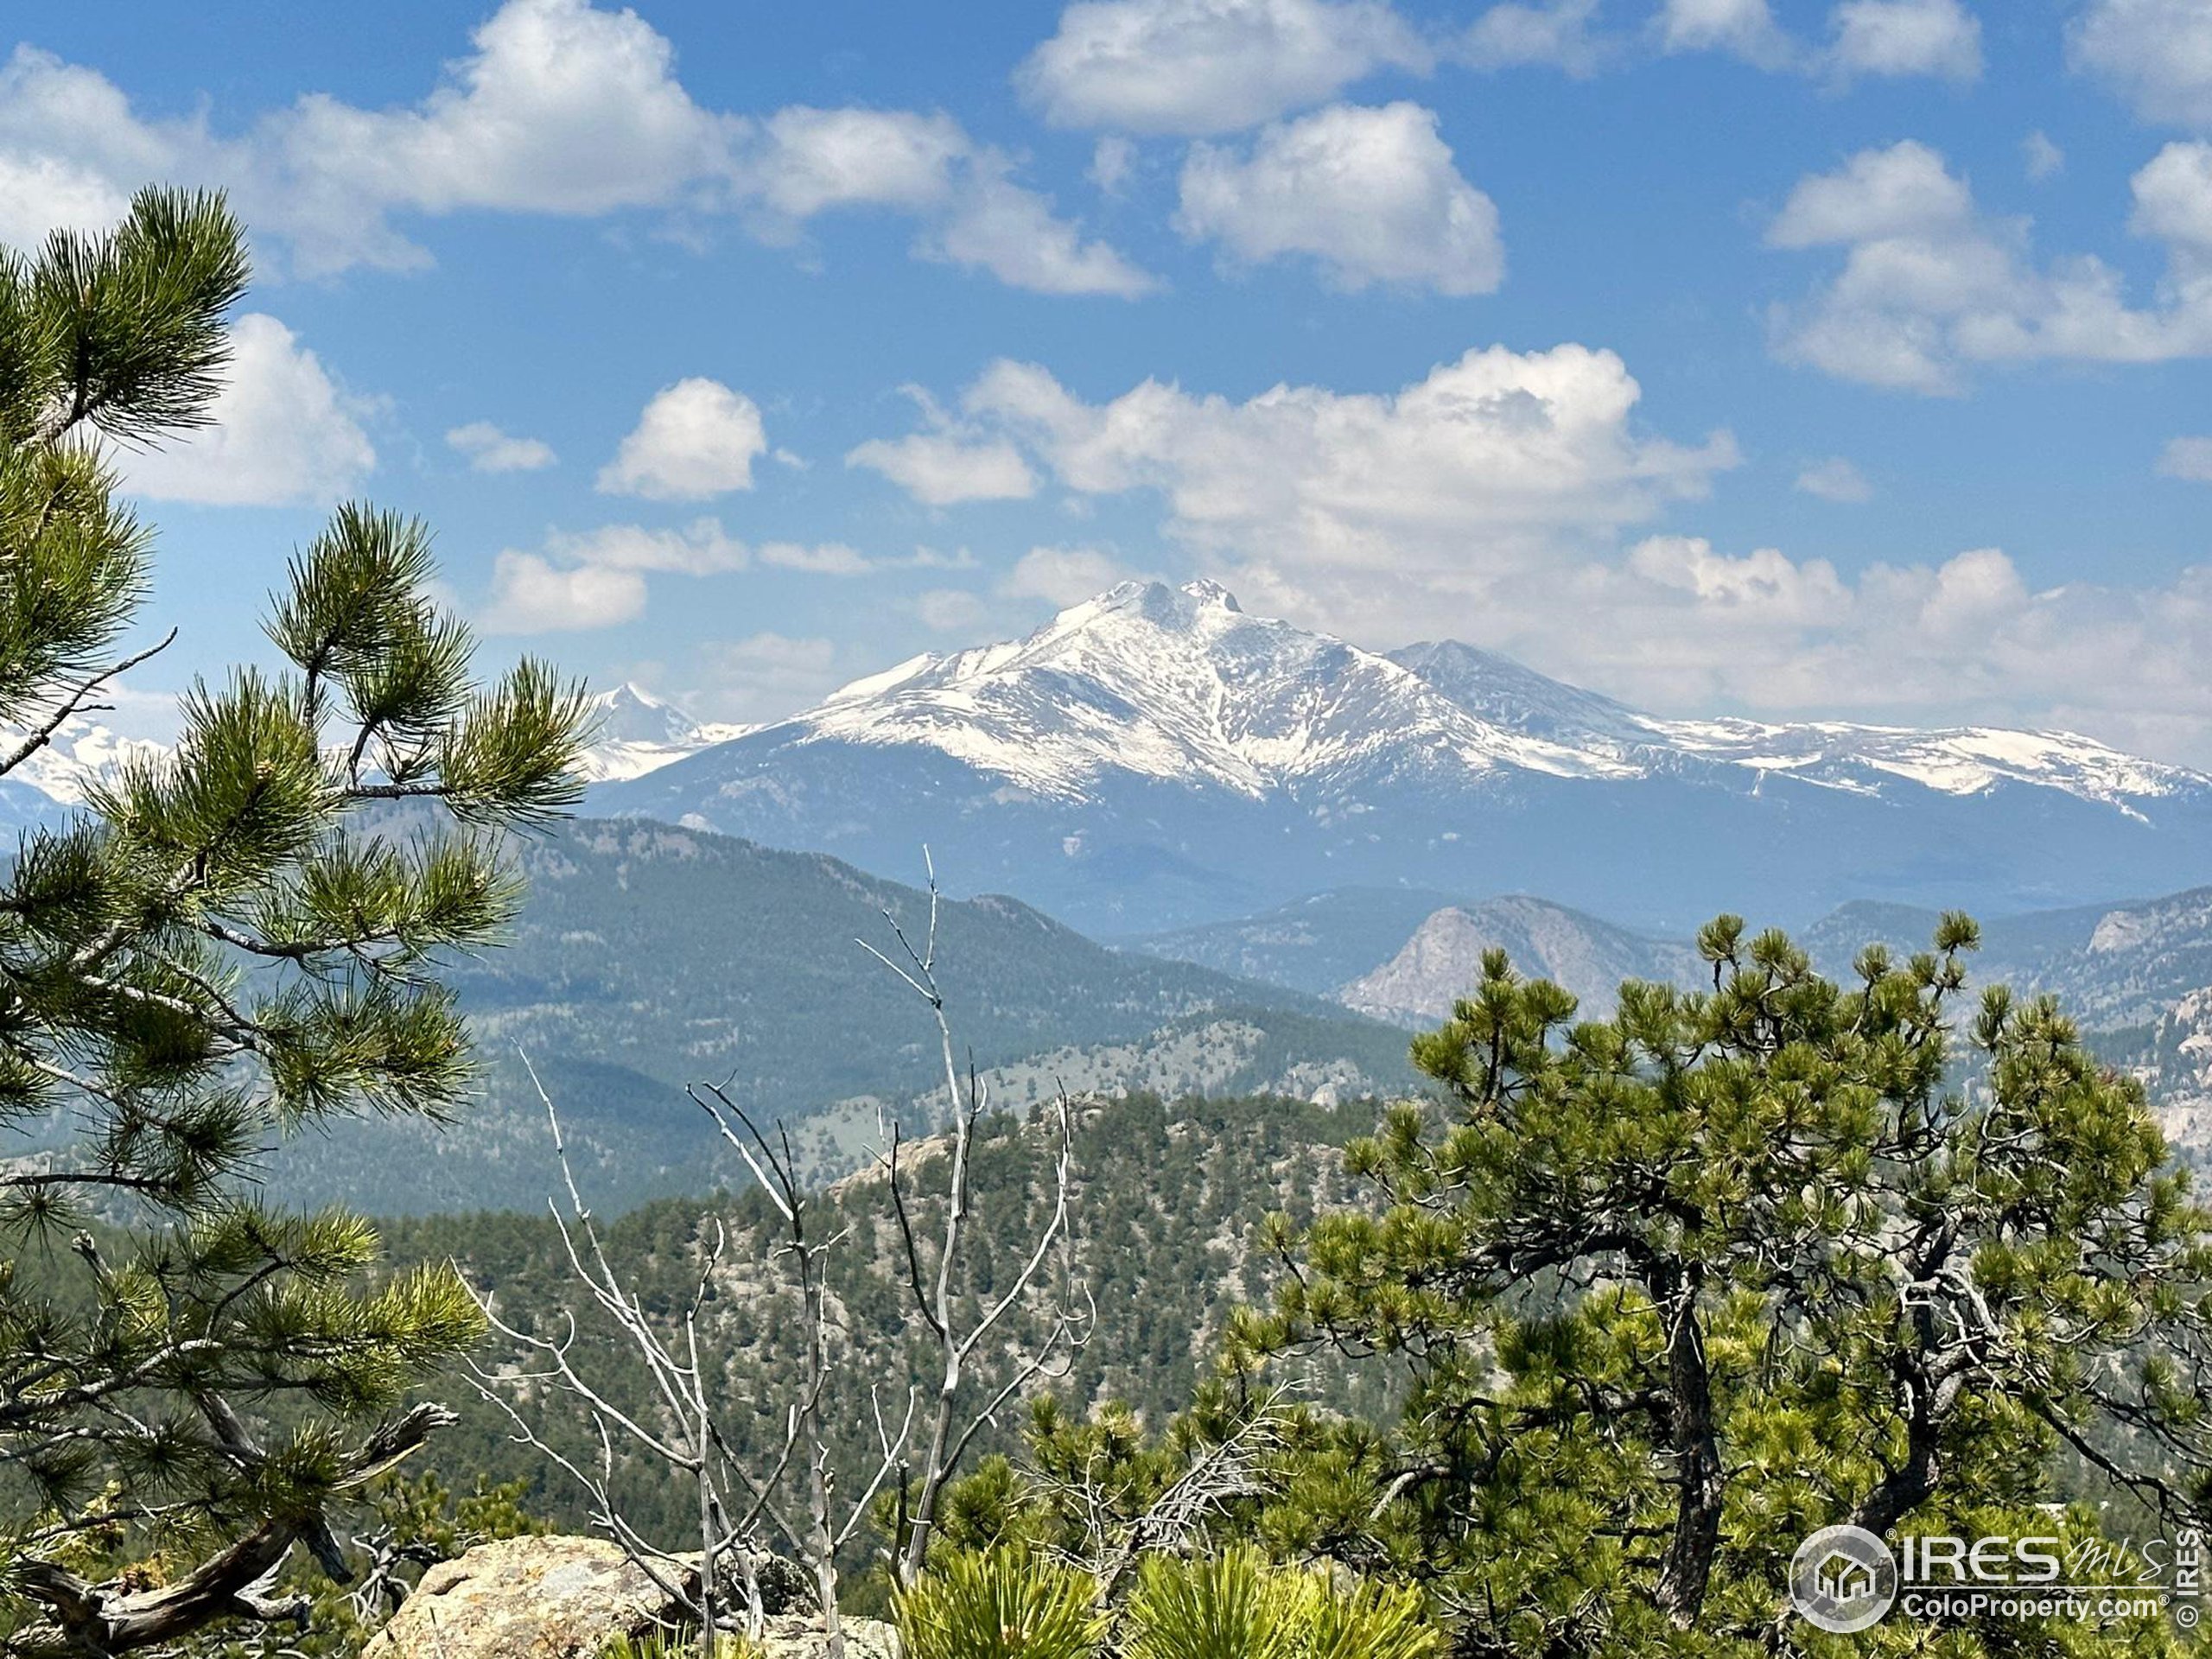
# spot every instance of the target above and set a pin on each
(1669, 1292)
(237, 940)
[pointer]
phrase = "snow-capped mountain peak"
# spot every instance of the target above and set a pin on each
(635, 733)
(80, 752)
(1182, 685)
(1177, 685)
(1157, 754)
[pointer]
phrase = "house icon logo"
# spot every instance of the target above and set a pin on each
(1843, 1579)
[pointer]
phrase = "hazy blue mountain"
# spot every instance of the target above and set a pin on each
(649, 957)
(1443, 959)
(1155, 760)
(1316, 943)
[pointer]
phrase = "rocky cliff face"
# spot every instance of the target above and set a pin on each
(1443, 960)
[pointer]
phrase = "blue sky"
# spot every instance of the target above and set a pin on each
(1727, 355)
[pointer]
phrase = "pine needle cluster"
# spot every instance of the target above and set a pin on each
(238, 939)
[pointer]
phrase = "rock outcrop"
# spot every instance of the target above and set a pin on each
(566, 1599)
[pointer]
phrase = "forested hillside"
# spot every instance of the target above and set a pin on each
(1168, 1201)
(647, 958)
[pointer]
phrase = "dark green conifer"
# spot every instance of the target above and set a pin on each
(235, 940)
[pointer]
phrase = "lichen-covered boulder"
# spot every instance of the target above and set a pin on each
(566, 1599)
(522, 1598)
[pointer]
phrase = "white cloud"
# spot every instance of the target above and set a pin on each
(951, 610)
(1484, 465)
(939, 469)
(40, 194)
(2155, 53)
(1879, 194)
(1906, 37)
(598, 578)
(999, 227)
(1684, 628)
(1555, 32)
(491, 450)
(765, 676)
(1889, 38)
(1113, 160)
(696, 439)
(1061, 575)
(2042, 158)
(807, 161)
(1931, 287)
(2189, 458)
(702, 548)
(1835, 479)
(1194, 67)
(827, 559)
(1745, 29)
(1372, 194)
(283, 433)
(561, 109)
(530, 595)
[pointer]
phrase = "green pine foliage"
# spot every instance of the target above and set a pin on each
(242, 937)
(1235, 1604)
(1673, 1290)
(1002, 1604)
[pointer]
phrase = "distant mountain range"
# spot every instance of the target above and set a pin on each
(1156, 759)
(648, 957)
(634, 733)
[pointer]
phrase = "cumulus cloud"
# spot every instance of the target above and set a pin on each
(491, 450)
(1682, 625)
(1370, 194)
(283, 433)
(951, 610)
(1484, 465)
(1888, 38)
(1554, 32)
(1744, 28)
(2157, 54)
(828, 559)
(696, 439)
(1113, 160)
(1906, 37)
(2041, 157)
(998, 226)
(598, 578)
(1931, 287)
(765, 676)
(1061, 575)
(1835, 479)
(1197, 66)
(2189, 458)
(563, 108)
(939, 470)
(531, 595)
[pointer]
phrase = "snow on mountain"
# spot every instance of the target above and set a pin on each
(1179, 684)
(80, 752)
(635, 733)
(1156, 757)
(1960, 760)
